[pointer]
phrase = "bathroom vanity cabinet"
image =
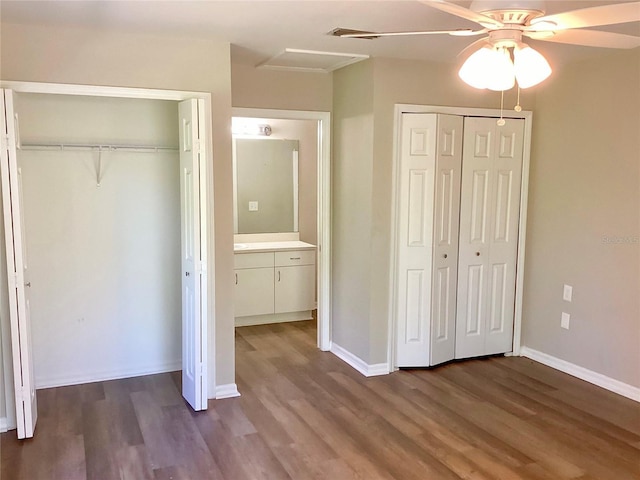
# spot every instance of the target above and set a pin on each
(274, 282)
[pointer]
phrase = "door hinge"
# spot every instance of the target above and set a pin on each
(23, 394)
(13, 278)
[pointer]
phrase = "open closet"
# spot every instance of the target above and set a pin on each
(108, 256)
(102, 231)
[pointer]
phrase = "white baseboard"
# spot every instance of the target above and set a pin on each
(228, 390)
(4, 424)
(356, 362)
(582, 373)
(273, 318)
(66, 380)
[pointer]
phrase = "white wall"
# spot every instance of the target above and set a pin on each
(101, 57)
(584, 217)
(104, 261)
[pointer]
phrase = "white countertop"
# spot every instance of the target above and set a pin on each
(271, 246)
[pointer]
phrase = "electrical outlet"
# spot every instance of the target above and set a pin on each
(253, 206)
(564, 321)
(567, 293)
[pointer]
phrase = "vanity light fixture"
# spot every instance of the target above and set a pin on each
(240, 127)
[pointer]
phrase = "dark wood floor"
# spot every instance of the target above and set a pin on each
(304, 414)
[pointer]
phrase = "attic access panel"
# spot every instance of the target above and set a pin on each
(310, 60)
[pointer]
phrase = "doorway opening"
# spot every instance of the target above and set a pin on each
(112, 191)
(290, 253)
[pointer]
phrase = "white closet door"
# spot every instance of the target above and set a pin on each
(505, 213)
(490, 201)
(193, 248)
(415, 238)
(17, 272)
(445, 242)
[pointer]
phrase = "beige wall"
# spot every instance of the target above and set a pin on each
(94, 57)
(280, 89)
(585, 194)
(352, 171)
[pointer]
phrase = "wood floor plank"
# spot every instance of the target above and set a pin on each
(306, 415)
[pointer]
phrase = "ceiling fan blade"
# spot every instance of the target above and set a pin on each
(463, 12)
(593, 16)
(467, 32)
(590, 38)
(469, 49)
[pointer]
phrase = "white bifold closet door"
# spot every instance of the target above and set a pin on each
(193, 253)
(427, 238)
(490, 204)
(17, 272)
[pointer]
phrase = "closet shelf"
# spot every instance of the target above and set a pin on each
(100, 148)
(96, 146)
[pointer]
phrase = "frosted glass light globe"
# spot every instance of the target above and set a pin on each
(530, 66)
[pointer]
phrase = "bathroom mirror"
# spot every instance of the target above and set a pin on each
(265, 185)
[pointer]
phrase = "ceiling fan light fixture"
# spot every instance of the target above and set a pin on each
(473, 71)
(501, 74)
(490, 68)
(530, 66)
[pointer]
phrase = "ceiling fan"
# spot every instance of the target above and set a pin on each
(487, 62)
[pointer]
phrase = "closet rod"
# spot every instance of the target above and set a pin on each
(106, 147)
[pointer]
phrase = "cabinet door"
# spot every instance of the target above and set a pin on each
(254, 291)
(295, 288)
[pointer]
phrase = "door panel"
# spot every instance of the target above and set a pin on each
(419, 191)
(17, 271)
(445, 248)
(491, 178)
(507, 178)
(504, 199)
(193, 246)
(416, 302)
(477, 209)
(498, 296)
(415, 238)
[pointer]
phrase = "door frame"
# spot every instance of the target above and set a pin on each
(399, 109)
(148, 94)
(323, 206)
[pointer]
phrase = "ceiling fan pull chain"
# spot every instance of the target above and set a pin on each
(501, 121)
(518, 108)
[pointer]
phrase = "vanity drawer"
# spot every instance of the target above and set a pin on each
(253, 260)
(295, 257)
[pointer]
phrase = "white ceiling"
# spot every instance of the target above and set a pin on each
(260, 29)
